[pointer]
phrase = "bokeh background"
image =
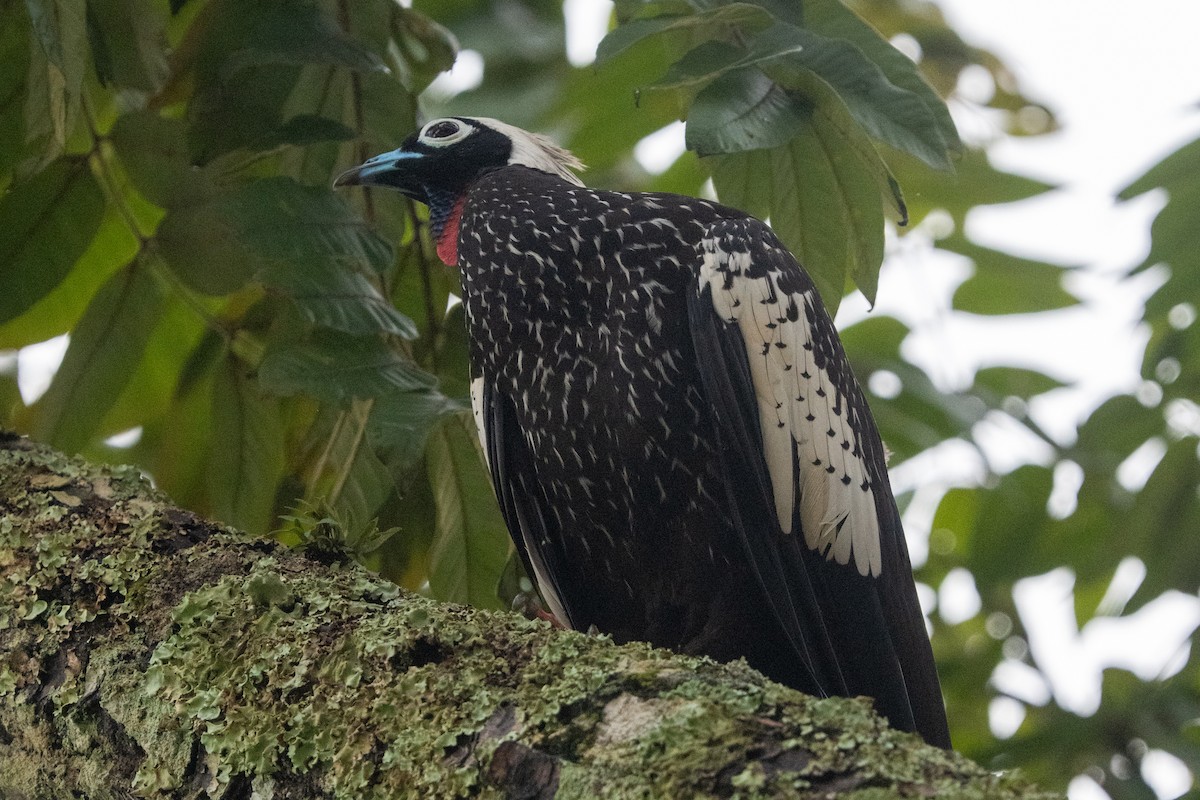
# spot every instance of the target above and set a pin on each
(169, 251)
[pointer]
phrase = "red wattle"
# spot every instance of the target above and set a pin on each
(447, 244)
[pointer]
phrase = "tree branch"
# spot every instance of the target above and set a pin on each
(147, 652)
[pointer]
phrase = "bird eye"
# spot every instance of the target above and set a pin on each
(442, 132)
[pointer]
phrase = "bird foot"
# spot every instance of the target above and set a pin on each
(529, 605)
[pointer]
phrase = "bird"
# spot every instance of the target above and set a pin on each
(677, 442)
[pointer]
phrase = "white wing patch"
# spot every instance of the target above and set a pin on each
(804, 417)
(477, 413)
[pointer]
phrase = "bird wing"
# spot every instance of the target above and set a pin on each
(805, 473)
(522, 501)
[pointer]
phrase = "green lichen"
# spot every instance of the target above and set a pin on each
(144, 650)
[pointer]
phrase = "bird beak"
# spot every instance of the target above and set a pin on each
(393, 170)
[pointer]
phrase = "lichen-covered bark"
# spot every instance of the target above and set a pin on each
(147, 653)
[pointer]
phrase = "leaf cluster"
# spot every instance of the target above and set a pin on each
(278, 346)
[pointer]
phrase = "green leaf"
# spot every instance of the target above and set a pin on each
(337, 299)
(160, 373)
(1004, 547)
(887, 112)
(831, 18)
(974, 182)
(202, 245)
(710, 24)
(1119, 426)
(154, 152)
(1015, 382)
(1161, 526)
(453, 354)
(10, 396)
(334, 367)
(786, 53)
(58, 59)
(743, 110)
(1007, 284)
(46, 224)
(106, 347)
(246, 464)
(129, 37)
(60, 310)
(1176, 171)
(471, 545)
(14, 80)
(957, 513)
(428, 48)
(353, 483)
(306, 129)
(402, 421)
(421, 289)
(299, 32)
(305, 243)
(289, 224)
(821, 193)
(922, 415)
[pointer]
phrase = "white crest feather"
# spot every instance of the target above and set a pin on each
(536, 151)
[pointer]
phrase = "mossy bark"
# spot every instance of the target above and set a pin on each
(145, 652)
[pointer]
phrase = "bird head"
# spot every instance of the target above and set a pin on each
(443, 158)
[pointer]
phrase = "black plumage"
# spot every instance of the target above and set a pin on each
(678, 445)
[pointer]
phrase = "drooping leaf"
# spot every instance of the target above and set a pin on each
(289, 223)
(334, 367)
(305, 129)
(421, 289)
(833, 19)
(106, 347)
(401, 423)
(245, 469)
(707, 24)
(46, 223)
(743, 110)
(821, 192)
(347, 477)
(895, 115)
(58, 60)
(1010, 524)
(1007, 284)
(428, 48)
(301, 32)
(471, 544)
(1161, 526)
(10, 395)
(61, 308)
(305, 243)
(14, 73)
(1015, 382)
(129, 38)
(154, 152)
(149, 392)
(452, 354)
(338, 299)
(921, 415)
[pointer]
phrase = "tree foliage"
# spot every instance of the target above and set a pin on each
(289, 360)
